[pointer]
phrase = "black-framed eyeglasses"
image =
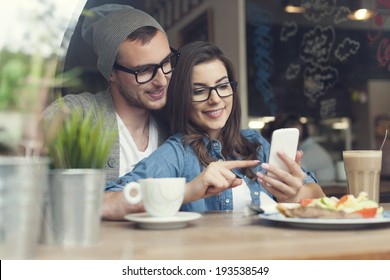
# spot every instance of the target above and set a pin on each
(147, 73)
(223, 90)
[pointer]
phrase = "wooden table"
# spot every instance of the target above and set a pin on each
(229, 235)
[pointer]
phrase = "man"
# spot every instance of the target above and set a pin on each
(135, 57)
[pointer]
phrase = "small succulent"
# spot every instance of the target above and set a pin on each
(80, 141)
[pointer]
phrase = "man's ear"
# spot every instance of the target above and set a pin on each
(112, 77)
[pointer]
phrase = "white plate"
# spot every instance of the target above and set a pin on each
(329, 223)
(180, 220)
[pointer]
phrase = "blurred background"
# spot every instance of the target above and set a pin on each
(312, 59)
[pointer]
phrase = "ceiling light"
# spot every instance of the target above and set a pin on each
(361, 14)
(361, 9)
(293, 6)
(293, 9)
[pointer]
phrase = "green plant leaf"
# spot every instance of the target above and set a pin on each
(82, 140)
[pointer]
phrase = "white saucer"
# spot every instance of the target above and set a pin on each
(180, 220)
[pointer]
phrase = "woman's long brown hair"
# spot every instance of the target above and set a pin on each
(179, 105)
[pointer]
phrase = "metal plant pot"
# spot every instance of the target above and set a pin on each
(73, 207)
(23, 182)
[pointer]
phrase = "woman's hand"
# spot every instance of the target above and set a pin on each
(216, 178)
(288, 186)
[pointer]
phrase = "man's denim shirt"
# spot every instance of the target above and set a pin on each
(172, 159)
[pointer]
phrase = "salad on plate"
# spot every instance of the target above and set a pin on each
(348, 206)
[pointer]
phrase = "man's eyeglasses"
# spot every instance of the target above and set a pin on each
(223, 90)
(147, 73)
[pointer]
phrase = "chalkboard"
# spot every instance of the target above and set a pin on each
(315, 62)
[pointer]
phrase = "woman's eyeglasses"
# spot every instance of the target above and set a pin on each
(223, 90)
(147, 73)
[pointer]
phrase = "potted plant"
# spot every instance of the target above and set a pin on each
(78, 146)
(23, 87)
(27, 75)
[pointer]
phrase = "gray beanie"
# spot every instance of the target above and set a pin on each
(106, 27)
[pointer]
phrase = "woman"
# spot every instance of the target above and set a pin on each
(208, 148)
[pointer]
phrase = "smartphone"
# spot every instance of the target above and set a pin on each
(284, 139)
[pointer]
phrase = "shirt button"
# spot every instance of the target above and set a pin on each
(227, 201)
(119, 182)
(112, 163)
(215, 144)
(256, 193)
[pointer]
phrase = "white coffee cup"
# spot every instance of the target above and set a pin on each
(161, 197)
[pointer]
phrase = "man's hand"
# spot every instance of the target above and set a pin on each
(115, 207)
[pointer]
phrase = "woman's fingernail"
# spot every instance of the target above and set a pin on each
(265, 165)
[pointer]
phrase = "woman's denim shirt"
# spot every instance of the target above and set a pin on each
(172, 159)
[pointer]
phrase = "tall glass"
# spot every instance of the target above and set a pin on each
(363, 168)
